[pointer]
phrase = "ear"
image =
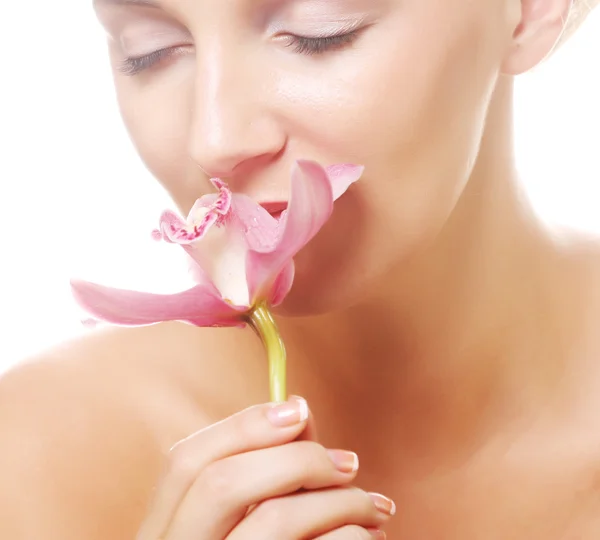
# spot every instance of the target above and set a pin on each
(540, 27)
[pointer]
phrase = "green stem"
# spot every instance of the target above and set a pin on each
(262, 321)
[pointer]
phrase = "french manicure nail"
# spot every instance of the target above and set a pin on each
(383, 504)
(346, 462)
(289, 413)
(378, 534)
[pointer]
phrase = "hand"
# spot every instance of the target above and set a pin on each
(249, 478)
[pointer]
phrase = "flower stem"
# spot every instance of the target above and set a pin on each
(262, 321)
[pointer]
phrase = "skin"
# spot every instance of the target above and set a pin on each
(478, 414)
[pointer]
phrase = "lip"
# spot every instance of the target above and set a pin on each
(275, 208)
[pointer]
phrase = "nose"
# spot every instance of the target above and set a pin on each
(232, 128)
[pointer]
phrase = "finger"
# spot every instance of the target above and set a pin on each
(353, 532)
(258, 427)
(310, 431)
(308, 434)
(220, 497)
(312, 513)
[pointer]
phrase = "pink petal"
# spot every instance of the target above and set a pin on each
(282, 285)
(169, 221)
(310, 206)
(184, 237)
(206, 201)
(342, 176)
(201, 306)
(207, 210)
(223, 201)
(195, 271)
(220, 257)
(260, 228)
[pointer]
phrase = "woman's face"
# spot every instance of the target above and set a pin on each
(242, 88)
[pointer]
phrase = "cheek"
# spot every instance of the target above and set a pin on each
(157, 117)
(414, 114)
(408, 107)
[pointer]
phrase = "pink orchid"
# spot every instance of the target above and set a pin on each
(241, 255)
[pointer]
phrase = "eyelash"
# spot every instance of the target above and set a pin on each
(315, 46)
(300, 44)
(136, 64)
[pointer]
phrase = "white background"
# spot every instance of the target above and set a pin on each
(75, 199)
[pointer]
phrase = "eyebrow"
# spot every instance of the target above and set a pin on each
(141, 3)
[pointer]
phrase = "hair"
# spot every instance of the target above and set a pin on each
(580, 10)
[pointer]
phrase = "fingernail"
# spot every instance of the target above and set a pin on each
(377, 534)
(383, 504)
(288, 414)
(346, 462)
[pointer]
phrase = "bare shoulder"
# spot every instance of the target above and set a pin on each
(86, 427)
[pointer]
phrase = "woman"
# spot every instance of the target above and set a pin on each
(446, 336)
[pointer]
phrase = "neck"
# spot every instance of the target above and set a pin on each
(443, 336)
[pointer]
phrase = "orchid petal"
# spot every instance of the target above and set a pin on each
(201, 205)
(207, 211)
(221, 259)
(260, 228)
(169, 221)
(282, 285)
(195, 271)
(342, 176)
(309, 207)
(223, 200)
(201, 305)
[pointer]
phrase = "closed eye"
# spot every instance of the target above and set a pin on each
(321, 45)
(136, 64)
